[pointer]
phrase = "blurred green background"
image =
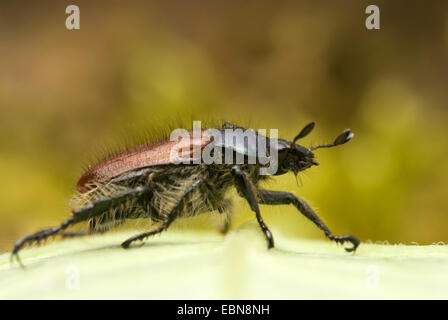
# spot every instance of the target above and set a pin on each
(66, 96)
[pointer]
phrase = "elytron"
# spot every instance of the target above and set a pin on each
(142, 183)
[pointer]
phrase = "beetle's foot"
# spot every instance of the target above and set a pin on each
(38, 237)
(35, 238)
(269, 238)
(346, 238)
(128, 242)
(17, 257)
(143, 236)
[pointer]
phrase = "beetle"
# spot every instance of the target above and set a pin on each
(145, 182)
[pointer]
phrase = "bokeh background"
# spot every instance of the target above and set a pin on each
(66, 96)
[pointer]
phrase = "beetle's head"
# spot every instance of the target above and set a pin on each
(294, 157)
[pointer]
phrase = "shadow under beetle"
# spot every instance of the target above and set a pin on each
(142, 182)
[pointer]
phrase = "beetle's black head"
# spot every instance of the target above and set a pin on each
(294, 157)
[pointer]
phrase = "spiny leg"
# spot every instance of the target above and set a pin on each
(282, 197)
(80, 214)
(170, 217)
(244, 188)
(37, 237)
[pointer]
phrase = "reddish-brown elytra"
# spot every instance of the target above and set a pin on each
(145, 155)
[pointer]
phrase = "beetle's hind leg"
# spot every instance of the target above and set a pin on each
(282, 197)
(170, 217)
(91, 210)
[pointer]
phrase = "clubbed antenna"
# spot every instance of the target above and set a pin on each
(344, 137)
(305, 131)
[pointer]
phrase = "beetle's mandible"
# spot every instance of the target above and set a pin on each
(142, 182)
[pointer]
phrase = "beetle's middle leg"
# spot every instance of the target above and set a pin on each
(245, 190)
(170, 217)
(282, 197)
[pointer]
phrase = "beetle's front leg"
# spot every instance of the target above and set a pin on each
(281, 197)
(244, 188)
